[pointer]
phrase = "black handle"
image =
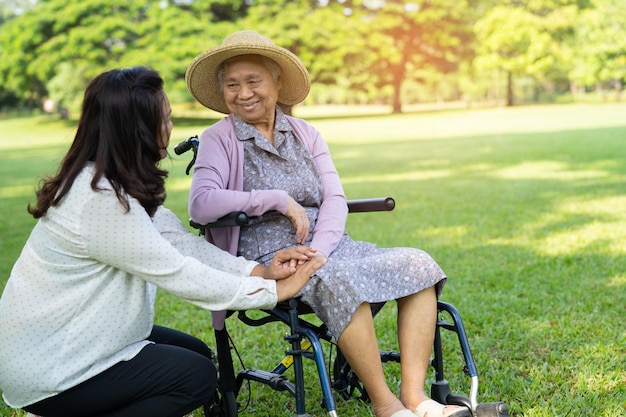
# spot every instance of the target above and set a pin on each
(240, 218)
(189, 143)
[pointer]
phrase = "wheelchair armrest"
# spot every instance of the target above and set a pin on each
(236, 218)
(371, 204)
(240, 218)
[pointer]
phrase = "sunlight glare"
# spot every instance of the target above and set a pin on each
(547, 170)
(406, 176)
(617, 281)
(605, 231)
(16, 191)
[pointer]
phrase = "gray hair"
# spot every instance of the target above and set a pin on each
(268, 63)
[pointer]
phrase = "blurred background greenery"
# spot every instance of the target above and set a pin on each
(394, 53)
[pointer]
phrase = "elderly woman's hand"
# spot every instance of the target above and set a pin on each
(287, 288)
(286, 261)
(297, 214)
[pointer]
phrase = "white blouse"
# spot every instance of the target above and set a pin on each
(80, 297)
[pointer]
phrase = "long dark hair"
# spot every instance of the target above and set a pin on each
(119, 130)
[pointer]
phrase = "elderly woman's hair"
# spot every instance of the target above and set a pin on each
(268, 63)
(118, 132)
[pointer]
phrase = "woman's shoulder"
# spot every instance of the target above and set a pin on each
(81, 195)
(306, 132)
(296, 121)
(222, 131)
(302, 126)
(85, 177)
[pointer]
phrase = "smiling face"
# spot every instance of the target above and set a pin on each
(250, 91)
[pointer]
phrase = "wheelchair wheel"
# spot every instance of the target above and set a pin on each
(345, 380)
(222, 405)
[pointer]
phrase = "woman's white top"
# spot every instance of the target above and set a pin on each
(80, 297)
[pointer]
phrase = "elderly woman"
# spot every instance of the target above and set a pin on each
(76, 316)
(258, 160)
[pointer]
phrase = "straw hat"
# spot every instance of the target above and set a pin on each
(202, 72)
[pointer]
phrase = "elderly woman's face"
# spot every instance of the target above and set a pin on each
(250, 91)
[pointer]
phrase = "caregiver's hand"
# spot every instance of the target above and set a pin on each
(288, 287)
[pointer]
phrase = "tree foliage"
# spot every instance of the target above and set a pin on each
(95, 35)
(409, 39)
(365, 50)
(536, 42)
(601, 42)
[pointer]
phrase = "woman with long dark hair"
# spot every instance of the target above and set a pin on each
(76, 316)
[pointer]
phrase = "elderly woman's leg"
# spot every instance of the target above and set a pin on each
(360, 347)
(417, 317)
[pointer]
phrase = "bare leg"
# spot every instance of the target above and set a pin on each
(417, 315)
(360, 347)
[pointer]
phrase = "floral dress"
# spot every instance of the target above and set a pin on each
(357, 272)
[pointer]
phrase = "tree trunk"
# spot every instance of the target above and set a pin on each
(618, 90)
(510, 99)
(573, 90)
(397, 103)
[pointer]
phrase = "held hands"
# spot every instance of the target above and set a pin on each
(297, 214)
(292, 268)
(286, 261)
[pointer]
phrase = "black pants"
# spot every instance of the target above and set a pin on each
(170, 378)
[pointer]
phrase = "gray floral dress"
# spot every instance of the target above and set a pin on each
(358, 272)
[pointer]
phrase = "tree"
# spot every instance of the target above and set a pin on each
(365, 46)
(95, 35)
(513, 40)
(528, 38)
(321, 36)
(357, 50)
(601, 44)
(89, 33)
(411, 38)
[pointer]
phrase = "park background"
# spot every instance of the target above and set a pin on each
(497, 126)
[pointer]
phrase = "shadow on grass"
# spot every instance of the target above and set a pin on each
(531, 240)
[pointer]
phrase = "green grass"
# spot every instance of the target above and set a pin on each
(524, 208)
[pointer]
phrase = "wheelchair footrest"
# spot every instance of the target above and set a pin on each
(277, 382)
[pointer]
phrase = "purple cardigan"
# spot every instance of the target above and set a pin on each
(217, 184)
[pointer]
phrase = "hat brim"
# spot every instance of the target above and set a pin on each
(201, 74)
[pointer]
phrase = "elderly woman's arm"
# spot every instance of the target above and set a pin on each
(218, 176)
(218, 179)
(331, 220)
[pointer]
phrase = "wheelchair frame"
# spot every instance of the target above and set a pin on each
(305, 342)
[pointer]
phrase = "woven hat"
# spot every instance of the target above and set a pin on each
(202, 72)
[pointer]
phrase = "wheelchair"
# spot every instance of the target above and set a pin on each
(305, 342)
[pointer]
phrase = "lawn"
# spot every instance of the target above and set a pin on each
(524, 208)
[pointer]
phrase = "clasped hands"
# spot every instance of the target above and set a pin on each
(292, 268)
